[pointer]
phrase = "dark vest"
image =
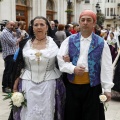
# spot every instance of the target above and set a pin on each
(94, 56)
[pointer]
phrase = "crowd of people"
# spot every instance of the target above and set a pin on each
(63, 69)
(112, 37)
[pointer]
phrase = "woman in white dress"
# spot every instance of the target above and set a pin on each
(40, 79)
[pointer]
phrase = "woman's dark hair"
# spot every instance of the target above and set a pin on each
(112, 33)
(66, 27)
(30, 29)
(49, 32)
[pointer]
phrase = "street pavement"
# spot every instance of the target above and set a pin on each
(4, 105)
(113, 112)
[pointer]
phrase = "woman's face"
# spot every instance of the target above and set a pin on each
(24, 26)
(111, 35)
(40, 27)
(105, 34)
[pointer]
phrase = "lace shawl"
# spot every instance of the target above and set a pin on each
(18, 64)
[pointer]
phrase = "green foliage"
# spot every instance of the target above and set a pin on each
(100, 19)
(8, 96)
(69, 11)
(12, 106)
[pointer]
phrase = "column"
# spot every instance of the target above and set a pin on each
(35, 8)
(39, 7)
(43, 7)
(13, 9)
(0, 12)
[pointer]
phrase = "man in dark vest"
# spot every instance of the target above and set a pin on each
(88, 71)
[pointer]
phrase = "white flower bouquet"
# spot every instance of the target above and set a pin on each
(17, 99)
(103, 100)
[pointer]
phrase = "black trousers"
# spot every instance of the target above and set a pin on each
(6, 81)
(82, 102)
(11, 115)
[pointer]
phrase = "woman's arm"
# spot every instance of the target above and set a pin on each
(15, 86)
(64, 65)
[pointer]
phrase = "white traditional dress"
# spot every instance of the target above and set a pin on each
(38, 81)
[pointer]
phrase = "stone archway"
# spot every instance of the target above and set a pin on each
(50, 10)
(22, 11)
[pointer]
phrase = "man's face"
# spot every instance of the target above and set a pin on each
(52, 25)
(86, 24)
(11, 26)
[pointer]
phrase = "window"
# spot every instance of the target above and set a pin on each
(23, 2)
(50, 10)
(107, 1)
(111, 11)
(87, 1)
(20, 13)
(108, 25)
(114, 10)
(50, 5)
(107, 11)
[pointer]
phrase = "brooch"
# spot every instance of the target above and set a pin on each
(38, 54)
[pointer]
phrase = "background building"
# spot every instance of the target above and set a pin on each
(65, 11)
(26, 10)
(112, 13)
(109, 8)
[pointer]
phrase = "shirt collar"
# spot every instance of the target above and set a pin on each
(88, 38)
(8, 29)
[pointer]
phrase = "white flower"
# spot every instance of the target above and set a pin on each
(35, 56)
(103, 98)
(32, 57)
(17, 99)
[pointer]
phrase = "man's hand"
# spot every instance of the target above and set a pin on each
(14, 34)
(19, 39)
(79, 70)
(66, 58)
(108, 95)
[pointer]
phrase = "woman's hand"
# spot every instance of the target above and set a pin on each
(66, 58)
(15, 87)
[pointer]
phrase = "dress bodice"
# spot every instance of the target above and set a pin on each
(40, 64)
